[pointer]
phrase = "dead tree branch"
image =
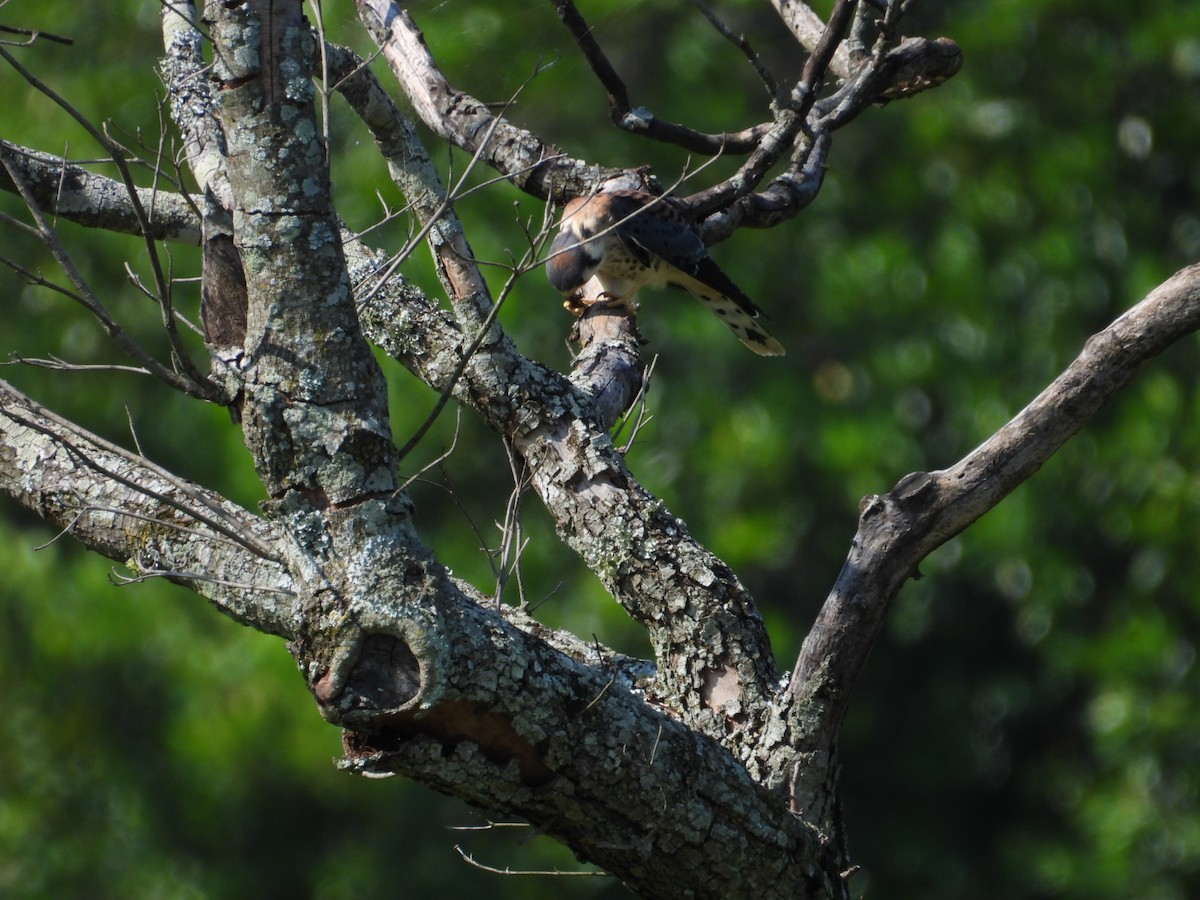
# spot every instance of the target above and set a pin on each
(640, 552)
(641, 120)
(533, 165)
(897, 530)
(79, 195)
(122, 506)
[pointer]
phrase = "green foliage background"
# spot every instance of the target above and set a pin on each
(1028, 727)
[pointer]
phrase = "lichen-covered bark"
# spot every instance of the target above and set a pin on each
(94, 200)
(125, 508)
(537, 724)
(643, 554)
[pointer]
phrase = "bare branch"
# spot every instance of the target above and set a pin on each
(916, 64)
(889, 72)
(33, 36)
(72, 192)
(133, 508)
(783, 198)
(192, 105)
(201, 388)
(899, 529)
(789, 122)
(641, 120)
(556, 873)
(533, 165)
(62, 365)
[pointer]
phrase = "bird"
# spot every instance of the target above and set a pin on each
(630, 239)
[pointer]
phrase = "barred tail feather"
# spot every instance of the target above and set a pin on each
(739, 315)
(744, 326)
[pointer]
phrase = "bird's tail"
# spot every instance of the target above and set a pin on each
(739, 315)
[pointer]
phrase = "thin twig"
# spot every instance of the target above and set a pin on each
(436, 462)
(148, 573)
(65, 531)
(489, 826)
(33, 35)
(198, 384)
(62, 365)
(137, 444)
(511, 545)
(557, 873)
(643, 416)
(739, 40)
(641, 120)
(203, 389)
(452, 491)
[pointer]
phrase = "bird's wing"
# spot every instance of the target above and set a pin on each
(652, 226)
(659, 229)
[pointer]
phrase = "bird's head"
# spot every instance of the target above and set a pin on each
(573, 257)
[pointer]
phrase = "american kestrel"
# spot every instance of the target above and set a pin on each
(630, 239)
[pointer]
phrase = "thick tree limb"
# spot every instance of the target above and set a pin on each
(127, 509)
(524, 729)
(721, 674)
(79, 195)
